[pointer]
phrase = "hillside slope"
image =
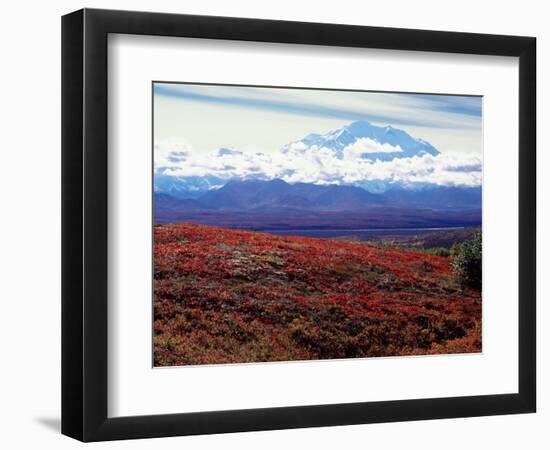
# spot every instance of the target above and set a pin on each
(226, 296)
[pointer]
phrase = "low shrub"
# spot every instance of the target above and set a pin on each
(438, 251)
(466, 262)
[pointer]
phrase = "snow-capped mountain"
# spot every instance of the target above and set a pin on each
(185, 187)
(370, 141)
(360, 154)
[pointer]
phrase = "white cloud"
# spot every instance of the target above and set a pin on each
(365, 145)
(321, 165)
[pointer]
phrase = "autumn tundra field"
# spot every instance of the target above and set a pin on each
(229, 296)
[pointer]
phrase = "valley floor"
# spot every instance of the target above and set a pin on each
(228, 296)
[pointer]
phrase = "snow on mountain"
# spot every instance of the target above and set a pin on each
(185, 187)
(369, 141)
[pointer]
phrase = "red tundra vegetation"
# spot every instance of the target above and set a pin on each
(228, 296)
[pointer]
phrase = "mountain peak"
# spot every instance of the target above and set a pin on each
(278, 181)
(359, 127)
(363, 132)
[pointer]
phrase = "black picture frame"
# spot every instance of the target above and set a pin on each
(84, 224)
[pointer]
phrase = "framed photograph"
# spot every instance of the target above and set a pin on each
(273, 224)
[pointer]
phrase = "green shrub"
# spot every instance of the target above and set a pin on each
(438, 251)
(466, 261)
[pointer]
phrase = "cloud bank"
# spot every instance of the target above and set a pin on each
(320, 165)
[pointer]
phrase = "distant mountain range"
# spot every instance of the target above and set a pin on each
(258, 194)
(259, 204)
(277, 194)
